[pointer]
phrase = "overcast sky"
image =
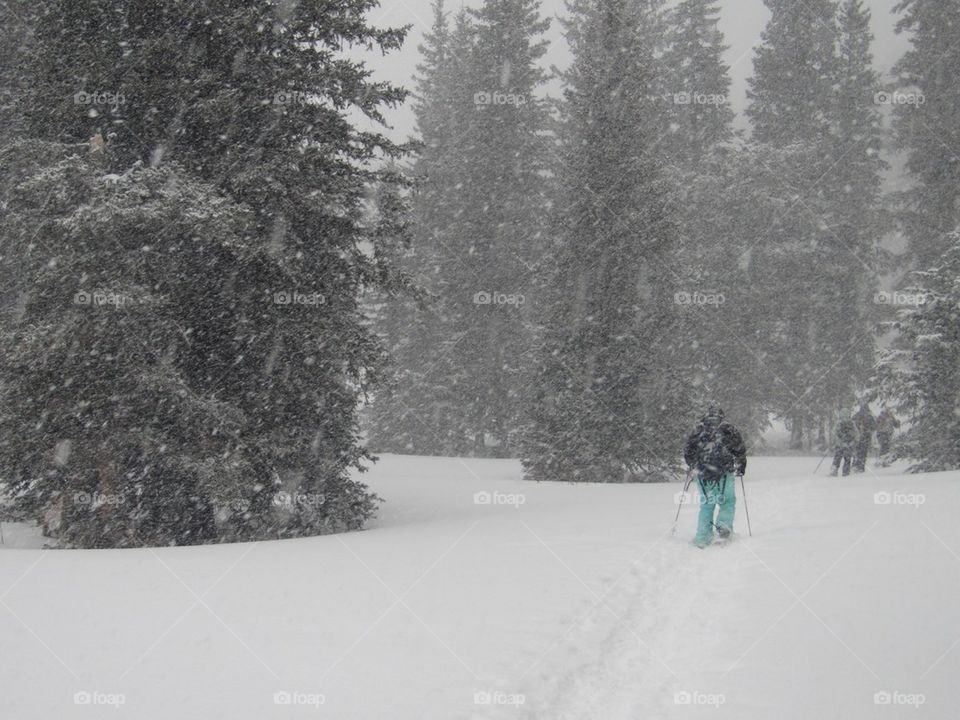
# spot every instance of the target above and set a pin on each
(742, 21)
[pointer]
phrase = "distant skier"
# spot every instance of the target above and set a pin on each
(716, 452)
(887, 425)
(866, 424)
(845, 440)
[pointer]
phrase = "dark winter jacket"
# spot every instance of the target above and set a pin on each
(887, 423)
(699, 442)
(866, 423)
(846, 434)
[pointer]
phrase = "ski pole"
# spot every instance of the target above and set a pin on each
(819, 464)
(745, 508)
(683, 496)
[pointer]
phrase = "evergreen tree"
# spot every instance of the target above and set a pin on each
(698, 114)
(710, 177)
(792, 87)
(393, 425)
(607, 406)
(812, 106)
(720, 212)
(15, 39)
(250, 102)
(858, 219)
(100, 421)
(499, 234)
(417, 410)
(920, 372)
(926, 124)
(479, 218)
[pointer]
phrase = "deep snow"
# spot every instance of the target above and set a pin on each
(554, 602)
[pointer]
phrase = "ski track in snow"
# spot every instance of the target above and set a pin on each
(580, 601)
(636, 667)
(638, 640)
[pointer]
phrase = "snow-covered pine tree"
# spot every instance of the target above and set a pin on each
(253, 101)
(792, 86)
(858, 118)
(15, 38)
(479, 219)
(716, 213)
(919, 374)
(393, 413)
(418, 410)
(698, 115)
(809, 272)
(608, 403)
(102, 432)
(498, 237)
(709, 174)
(928, 102)
(858, 220)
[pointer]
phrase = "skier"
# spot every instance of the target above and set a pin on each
(716, 452)
(845, 438)
(866, 424)
(887, 425)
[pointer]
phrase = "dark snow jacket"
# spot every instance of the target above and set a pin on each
(887, 423)
(846, 434)
(731, 457)
(866, 424)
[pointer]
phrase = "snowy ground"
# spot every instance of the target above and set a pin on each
(572, 602)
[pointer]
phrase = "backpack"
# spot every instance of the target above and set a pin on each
(887, 423)
(714, 458)
(846, 432)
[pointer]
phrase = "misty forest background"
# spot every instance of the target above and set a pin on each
(221, 287)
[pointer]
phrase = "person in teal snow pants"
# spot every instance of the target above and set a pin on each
(715, 494)
(716, 452)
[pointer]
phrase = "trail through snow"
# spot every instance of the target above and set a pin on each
(479, 596)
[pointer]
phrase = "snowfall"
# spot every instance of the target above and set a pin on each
(478, 595)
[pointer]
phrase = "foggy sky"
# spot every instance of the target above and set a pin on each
(742, 22)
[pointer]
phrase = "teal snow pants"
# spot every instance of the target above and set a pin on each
(721, 494)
